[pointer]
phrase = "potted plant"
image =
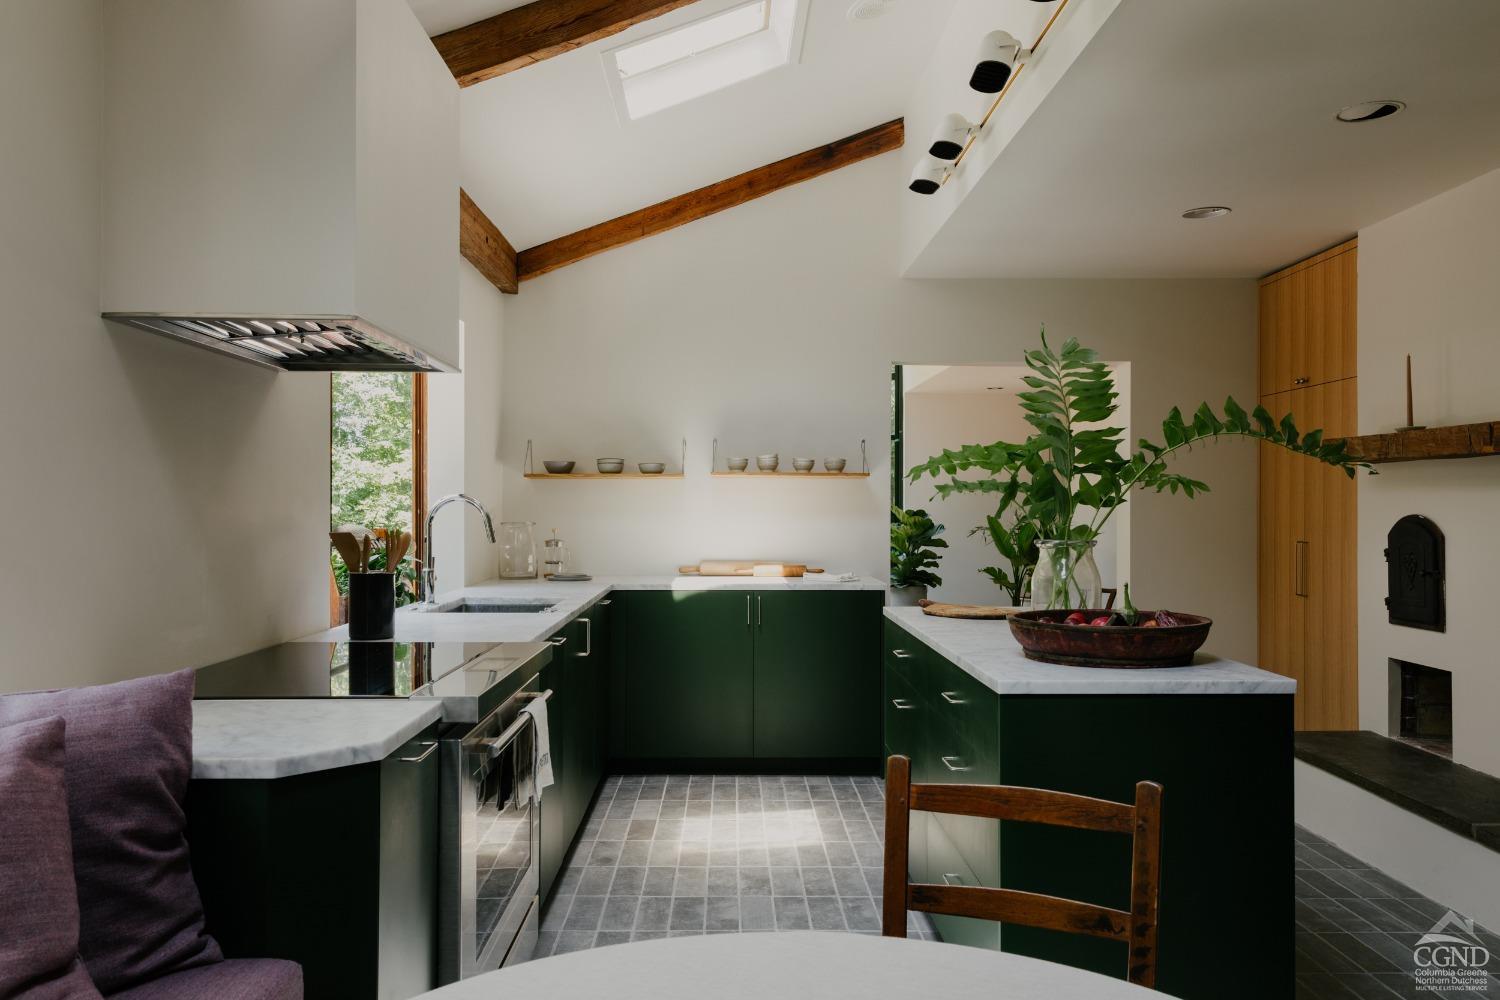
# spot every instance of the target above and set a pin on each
(1060, 486)
(914, 536)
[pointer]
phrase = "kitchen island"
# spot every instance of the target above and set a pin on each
(965, 704)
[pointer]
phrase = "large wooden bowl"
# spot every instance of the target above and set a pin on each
(1043, 637)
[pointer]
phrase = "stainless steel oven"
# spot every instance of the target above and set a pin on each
(490, 820)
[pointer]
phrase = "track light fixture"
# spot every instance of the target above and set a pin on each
(950, 137)
(928, 176)
(999, 53)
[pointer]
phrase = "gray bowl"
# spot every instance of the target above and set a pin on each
(652, 468)
(767, 463)
(738, 464)
(804, 464)
(558, 468)
(834, 464)
(611, 466)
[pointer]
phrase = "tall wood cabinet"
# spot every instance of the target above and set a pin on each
(1308, 624)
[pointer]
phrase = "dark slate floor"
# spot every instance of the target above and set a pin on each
(1357, 929)
(671, 855)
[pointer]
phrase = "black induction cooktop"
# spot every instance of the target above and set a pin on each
(335, 669)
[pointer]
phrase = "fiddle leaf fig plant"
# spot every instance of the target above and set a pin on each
(914, 536)
(1067, 479)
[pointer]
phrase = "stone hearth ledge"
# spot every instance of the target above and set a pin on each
(989, 653)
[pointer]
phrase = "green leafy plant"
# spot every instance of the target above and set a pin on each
(1068, 478)
(914, 536)
(1016, 542)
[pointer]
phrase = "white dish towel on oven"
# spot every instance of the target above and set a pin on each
(537, 709)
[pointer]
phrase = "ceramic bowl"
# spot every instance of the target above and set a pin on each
(833, 464)
(558, 468)
(611, 465)
(804, 464)
(738, 464)
(652, 468)
(767, 463)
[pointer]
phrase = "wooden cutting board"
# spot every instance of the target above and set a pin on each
(984, 611)
(746, 567)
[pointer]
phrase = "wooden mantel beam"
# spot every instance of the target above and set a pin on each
(540, 30)
(483, 245)
(708, 200)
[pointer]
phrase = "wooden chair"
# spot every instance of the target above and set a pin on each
(1031, 805)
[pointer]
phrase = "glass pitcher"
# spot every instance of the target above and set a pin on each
(517, 550)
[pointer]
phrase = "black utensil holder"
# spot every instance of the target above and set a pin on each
(372, 605)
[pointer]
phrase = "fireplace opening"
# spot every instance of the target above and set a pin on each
(1422, 707)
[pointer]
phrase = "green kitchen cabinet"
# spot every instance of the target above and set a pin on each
(1224, 762)
(555, 833)
(336, 870)
(817, 676)
(690, 688)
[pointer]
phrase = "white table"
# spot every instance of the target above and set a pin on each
(790, 964)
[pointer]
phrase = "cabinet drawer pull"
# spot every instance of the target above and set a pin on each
(605, 604)
(901, 654)
(952, 698)
(1301, 381)
(948, 763)
(952, 878)
(560, 640)
(431, 745)
(902, 704)
(1300, 585)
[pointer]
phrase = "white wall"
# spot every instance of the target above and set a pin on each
(483, 311)
(1427, 287)
(773, 328)
(164, 507)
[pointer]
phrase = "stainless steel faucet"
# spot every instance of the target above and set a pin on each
(429, 567)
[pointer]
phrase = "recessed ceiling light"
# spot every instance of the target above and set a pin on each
(1369, 111)
(1207, 212)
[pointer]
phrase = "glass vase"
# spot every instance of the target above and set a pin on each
(1066, 577)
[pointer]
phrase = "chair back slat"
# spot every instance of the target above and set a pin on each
(1016, 907)
(1026, 805)
(1137, 928)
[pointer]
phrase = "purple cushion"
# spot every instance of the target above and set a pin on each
(128, 759)
(235, 979)
(39, 946)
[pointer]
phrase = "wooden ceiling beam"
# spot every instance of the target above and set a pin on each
(709, 200)
(483, 245)
(540, 30)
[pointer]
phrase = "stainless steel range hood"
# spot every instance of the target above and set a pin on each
(282, 189)
(298, 344)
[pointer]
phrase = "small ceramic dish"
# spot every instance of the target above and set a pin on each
(558, 468)
(738, 464)
(611, 465)
(804, 464)
(652, 468)
(767, 463)
(834, 464)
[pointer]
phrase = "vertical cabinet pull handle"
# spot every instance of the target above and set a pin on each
(1301, 582)
(747, 609)
(758, 618)
(588, 637)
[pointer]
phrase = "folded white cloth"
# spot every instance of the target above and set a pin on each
(537, 708)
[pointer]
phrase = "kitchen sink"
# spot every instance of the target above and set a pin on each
(483, 606)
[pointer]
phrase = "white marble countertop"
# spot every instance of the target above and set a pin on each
(988, 652)
(281, 737)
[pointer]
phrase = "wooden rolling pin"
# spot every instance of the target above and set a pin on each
(746, 567)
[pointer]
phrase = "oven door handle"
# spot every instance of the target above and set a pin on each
(513, 730)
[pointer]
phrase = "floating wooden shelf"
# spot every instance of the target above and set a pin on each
(605, 475)
(1458, 441)
(747, 474)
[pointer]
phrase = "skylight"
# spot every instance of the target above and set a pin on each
(705, 55)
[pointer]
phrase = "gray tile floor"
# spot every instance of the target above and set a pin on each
(676, 855)
(1357, 929)
(673, 855)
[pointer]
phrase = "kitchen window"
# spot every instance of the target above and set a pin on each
(377, 467)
